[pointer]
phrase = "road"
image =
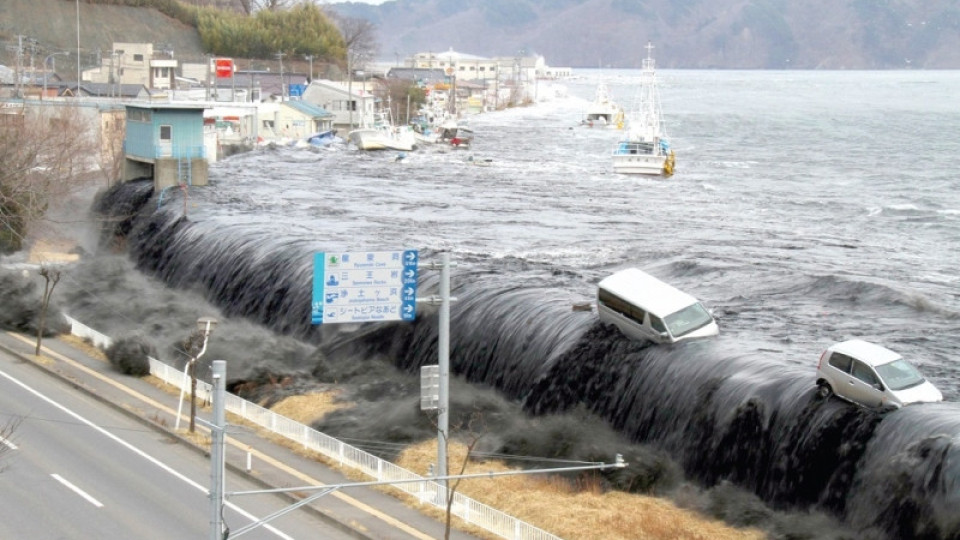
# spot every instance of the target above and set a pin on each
(76, 468)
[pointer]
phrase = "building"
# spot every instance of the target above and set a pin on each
(168, 142)
(135, 63)
(351, 104)
(463, 66)
(420, 76)
(299, 120)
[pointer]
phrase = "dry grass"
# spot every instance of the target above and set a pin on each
(553, 505)
(87, 348)
(546, 502)
(310, 407)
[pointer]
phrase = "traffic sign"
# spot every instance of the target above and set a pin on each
(364, 286)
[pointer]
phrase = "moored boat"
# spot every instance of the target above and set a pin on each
(645, 148)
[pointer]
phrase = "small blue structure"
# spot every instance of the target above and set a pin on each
(165, 141)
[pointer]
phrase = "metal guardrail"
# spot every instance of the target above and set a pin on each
(426, 492)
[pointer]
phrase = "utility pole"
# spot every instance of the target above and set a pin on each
(280, 56)
(217, 434)
(443, 348)
(18, 84)
(350, 87)
(78, 49)
(207, 93)
(309, 58)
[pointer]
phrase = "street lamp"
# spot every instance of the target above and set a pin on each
(49, 56)
(205, 326)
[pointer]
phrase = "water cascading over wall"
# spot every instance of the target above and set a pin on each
(726, 415)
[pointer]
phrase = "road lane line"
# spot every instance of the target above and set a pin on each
(77, 490)
(129, 446)
(8, 444)
(386, 518)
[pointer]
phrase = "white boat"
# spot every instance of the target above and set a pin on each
(644, 148)
(603, 110)
(383, 135)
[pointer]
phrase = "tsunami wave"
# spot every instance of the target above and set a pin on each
(725, 415)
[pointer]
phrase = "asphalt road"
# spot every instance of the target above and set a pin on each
(76, 468)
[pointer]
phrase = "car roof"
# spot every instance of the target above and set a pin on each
(643, 290)
(871, 353)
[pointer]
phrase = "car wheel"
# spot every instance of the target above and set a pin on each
(824, 390)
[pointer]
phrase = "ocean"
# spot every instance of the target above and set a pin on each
(806, 208)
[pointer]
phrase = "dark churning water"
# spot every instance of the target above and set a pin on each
(806, 208)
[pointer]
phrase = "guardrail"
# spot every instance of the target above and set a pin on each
(426, 491)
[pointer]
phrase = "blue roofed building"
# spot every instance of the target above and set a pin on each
(300, 119)
(168, 142)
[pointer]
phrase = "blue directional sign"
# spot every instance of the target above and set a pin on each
(364, 286)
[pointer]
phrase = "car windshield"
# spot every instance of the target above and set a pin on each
(900, 374)
(687, 320)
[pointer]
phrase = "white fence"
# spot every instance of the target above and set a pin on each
(426, 491)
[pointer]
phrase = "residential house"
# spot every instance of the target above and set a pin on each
(352, 104)
(300, 119)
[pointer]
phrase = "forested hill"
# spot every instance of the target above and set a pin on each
(745, 34)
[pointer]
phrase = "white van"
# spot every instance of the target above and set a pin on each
(645, 308)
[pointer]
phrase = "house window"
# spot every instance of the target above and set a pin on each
(138, 58)
(138, 115)
(166, 133)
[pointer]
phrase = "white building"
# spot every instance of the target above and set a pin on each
(135, 63)
(348, 102)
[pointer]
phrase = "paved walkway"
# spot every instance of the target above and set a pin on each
(367, 513)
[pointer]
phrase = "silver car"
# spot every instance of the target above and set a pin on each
(872, 376)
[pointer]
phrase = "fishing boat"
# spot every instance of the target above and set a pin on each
(603, 110)
(383, 135)
(644, 147)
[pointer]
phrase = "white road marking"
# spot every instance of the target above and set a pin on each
(77, 490)
(135, 450)
(8, 444)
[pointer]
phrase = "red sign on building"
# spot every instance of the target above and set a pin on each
(224, 68)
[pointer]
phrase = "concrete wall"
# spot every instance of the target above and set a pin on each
(170, 172)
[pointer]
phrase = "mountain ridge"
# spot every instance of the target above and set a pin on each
(721, 34)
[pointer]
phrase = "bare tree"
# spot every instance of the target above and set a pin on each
(472, 436)
(44, 158)
(405, 98)
(251, 6)
(359, 37)
(51, 277)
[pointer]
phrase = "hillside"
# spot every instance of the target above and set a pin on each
(53, 24)
(742, 34)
